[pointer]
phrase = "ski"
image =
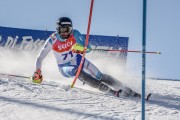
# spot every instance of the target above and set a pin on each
(131, 94)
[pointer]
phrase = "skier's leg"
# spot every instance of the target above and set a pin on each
(68, 71)
(104, 78)
(125, 91)
(93, 82)
(116, 84)
(93, 73)
(89, 74)
(102, 84)
(111, 81)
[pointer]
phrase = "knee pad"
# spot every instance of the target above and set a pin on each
(68, 71)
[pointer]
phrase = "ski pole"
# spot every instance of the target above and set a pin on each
(20, 76)
(135, 51)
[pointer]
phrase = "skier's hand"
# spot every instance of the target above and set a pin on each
(77, 48)
(37, 76)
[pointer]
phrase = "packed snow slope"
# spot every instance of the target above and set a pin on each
(20, 99)
(23, 100)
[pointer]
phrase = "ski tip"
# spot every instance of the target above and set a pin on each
(149, 95)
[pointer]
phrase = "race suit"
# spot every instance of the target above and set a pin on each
(67, 61)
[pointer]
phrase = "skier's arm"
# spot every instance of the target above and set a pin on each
(37, 76)
(44, 52)
(80, 42)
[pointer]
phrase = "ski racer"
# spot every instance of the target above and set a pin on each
(67, 46)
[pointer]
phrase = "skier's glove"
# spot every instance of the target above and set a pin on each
(77, 48)
(37, 76)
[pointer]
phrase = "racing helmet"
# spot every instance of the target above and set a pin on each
(64, 27)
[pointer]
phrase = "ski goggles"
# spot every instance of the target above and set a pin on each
(64, 29)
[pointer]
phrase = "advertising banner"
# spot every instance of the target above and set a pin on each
(32, 40)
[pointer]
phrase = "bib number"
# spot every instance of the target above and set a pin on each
(67, 54)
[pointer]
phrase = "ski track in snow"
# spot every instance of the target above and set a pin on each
(22, 100)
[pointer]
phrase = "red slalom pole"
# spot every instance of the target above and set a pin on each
(136, 51)
(85, 46)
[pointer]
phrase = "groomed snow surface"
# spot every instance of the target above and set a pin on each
(22, 100)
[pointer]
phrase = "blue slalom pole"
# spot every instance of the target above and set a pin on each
(143, 61)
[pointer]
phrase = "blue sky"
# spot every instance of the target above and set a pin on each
(110, 17)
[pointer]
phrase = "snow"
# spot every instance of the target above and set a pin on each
(20, 99)
(23, 100)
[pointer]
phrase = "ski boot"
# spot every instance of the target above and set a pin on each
(129, 92)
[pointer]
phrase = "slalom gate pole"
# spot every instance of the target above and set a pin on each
(20, 76)
(135, 51)
(143, 86)
(85, 46)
